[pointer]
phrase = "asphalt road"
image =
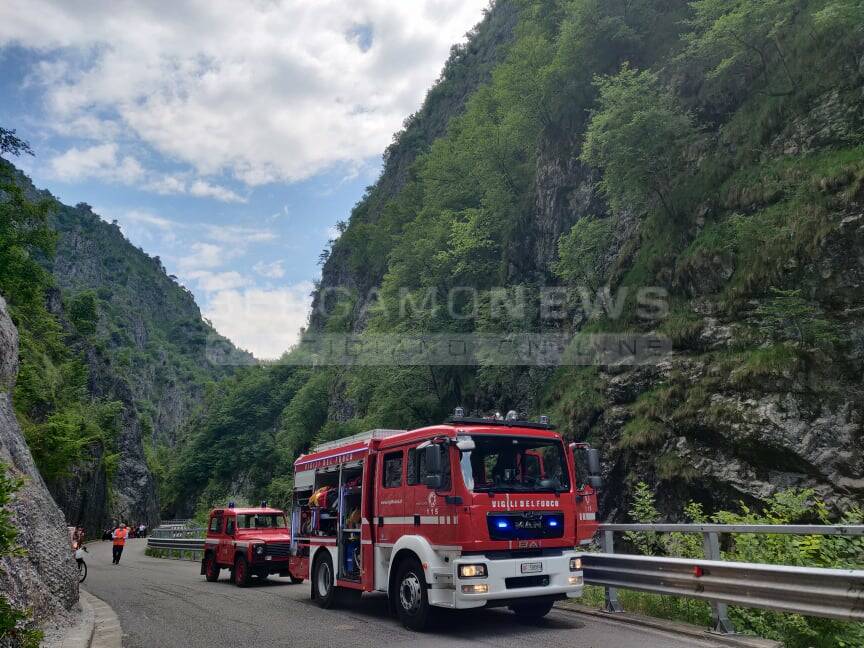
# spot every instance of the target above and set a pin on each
(167, 603)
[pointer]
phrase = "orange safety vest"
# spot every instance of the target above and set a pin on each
(120, 537)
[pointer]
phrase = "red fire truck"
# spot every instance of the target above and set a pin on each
(471, 513)
(250, 542)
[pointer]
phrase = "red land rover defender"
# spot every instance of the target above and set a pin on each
(250, 542)
(472, 513)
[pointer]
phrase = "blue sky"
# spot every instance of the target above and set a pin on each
(227, 139)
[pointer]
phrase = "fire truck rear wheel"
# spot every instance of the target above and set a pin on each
(532, 610)
(242, 577)
(211, 569)
(323, 583)
(412, 600)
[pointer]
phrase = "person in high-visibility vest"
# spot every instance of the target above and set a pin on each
(119, 538)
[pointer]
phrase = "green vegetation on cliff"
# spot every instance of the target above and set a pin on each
(114, 353)
(60, 419)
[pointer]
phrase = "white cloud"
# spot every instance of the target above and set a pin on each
(218, 281)
(266, 322)
(99, 161)
(104, 162)
(208, 190)
(273, 270)
(264, 91)
(237, 235)
(204, 256)
(146, 218)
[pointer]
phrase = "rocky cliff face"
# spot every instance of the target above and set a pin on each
(733, 414)
(46, 578)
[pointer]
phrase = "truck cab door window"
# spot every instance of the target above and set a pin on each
(422, 472)
(215, 524)
(229, 528)
(393, 470)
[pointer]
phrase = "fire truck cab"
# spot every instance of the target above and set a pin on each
(250, 542)
(468, 514)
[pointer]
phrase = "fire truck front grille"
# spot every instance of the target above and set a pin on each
(517, 582)
(278, 550)
(526, 525)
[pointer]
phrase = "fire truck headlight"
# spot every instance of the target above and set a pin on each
(472, 571)
(575, 564)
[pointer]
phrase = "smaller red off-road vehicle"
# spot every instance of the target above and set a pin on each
(251, 542)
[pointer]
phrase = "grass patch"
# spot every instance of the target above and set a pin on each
(670, 466)
(767, 363)
(670, 608)
(642, 433)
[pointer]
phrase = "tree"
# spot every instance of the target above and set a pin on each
(24, 234)
(83, 312)
(581, 251)
(12, 144)
(739, 45)
(639, 136)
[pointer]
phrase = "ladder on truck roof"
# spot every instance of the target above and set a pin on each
(356, 438)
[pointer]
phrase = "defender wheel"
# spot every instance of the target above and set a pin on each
(242, 578)
(411, 598)
(323, 582)
(532, 610)
(211, 569)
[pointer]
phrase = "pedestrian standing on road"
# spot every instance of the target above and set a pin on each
(119, 536)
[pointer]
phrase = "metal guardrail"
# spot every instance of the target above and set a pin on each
(803, 590)
(172, 532)
(813, 591)
(176, 547)
(761, 529)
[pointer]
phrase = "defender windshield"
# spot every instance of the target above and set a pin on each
(261, 521)
(506, 464)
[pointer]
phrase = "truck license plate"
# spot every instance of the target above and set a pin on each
(532, 568)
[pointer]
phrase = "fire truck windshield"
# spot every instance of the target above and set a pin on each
(506, 464)
(261, 521)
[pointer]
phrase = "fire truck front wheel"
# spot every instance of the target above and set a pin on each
(211, 568)
(323, 583)
(532, 610)
(242, 577)
(412, 601)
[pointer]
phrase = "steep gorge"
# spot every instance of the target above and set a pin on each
(632, 146)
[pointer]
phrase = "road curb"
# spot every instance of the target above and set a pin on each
(107, 632)
(674, 627)
(81, 634)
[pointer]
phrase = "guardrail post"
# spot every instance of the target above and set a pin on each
(611, 596)
(719, 611)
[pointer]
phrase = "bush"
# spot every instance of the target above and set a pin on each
(785, 507)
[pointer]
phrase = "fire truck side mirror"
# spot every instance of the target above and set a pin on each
(434, 477)
(594, 461)
(596, 482)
